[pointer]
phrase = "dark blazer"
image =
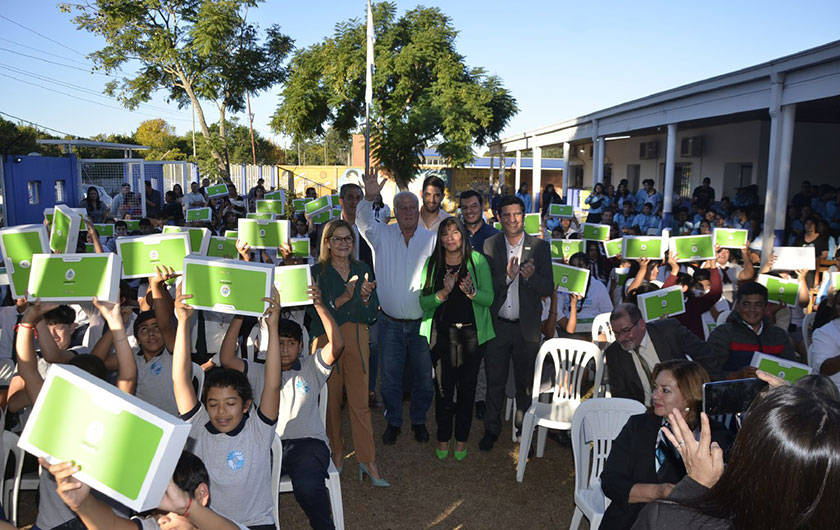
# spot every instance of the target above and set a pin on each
(671, 339)
(631, 461)
(531, 291)
(668, 514)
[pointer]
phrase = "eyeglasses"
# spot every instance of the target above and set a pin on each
(346, 239)
(624, 332)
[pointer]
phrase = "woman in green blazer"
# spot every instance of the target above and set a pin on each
(456, 297)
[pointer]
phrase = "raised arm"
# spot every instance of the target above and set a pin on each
(126, 367)
(227, 353)
(335, 340)
(270, 399)
(163, 304)
(748, 272)
(185, 396)
(94, 237)
(364, 212)
(640, 276)
(27, 363)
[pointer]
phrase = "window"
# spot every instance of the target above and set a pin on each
(59, 191)
(682, 178)
(34, 191)
(576, 177)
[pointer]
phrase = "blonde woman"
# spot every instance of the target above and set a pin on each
(348, 290)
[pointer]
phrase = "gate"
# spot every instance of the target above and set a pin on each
(32, 183)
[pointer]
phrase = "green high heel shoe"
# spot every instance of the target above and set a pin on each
(441, 454)
(460, 455)
(378, 482)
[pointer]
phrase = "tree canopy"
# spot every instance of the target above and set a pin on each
(193, 49)
(424, 93)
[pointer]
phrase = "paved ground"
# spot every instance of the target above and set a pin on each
(480, 492)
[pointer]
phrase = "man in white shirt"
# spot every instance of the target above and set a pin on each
(194, 199)
(400, 251)
(432, 214)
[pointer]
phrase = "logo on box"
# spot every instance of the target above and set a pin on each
(262, 232)
(69, 275)
(564, 279)
(643, 247)
(225, 290)
(694, 248)
(153, 255)
(24, 264)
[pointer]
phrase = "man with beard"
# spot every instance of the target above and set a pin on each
(639, 346)
(431, 214)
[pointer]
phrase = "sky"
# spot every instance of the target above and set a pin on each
(559, 59)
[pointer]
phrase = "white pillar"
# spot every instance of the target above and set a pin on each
(783, 184)
(598, 156)
(670, 160)
(492, 157)
(518, 171)
(567, 148)
(770, 194)
(502, 167)
(536, 175)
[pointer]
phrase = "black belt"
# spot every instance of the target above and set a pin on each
(509, 321)
(403, 320)
(460, 325)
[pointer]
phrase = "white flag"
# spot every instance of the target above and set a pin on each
(369, 67)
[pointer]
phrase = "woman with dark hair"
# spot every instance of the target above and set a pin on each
(259, 195)
(549, 196)
(348, 290)
(643, 464)
(525, 195)
(456, 298)
(597, 202)
(784, 471)
(97, 212)
(179, 193)
(623, 195)
(575, 309)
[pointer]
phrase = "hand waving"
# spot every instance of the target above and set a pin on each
(373, 185)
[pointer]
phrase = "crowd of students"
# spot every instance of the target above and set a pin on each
(445, 308)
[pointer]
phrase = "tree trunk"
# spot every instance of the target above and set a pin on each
(223, 136)
(217, 157)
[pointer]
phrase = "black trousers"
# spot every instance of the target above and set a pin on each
(306, 461)
(457, 357)
(508, 345)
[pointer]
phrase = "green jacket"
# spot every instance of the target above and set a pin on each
(481, 302)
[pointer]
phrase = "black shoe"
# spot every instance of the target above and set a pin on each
(420, 433)
(480, 409)
(561, 437)
(389, 437)
(488, 441)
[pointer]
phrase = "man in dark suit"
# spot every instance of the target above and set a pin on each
(639, 346)
(521, 268)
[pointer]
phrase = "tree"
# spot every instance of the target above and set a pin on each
(238, 139)
(424, 93)
(194, 49)
(161, 138)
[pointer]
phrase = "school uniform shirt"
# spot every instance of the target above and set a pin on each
(398, 266)
(299, 416)
(826, 345)
(642, 197)
(238, 462)
(624, 221)
(596, 301)
(645, 222)
(710, 323)
(154, 381)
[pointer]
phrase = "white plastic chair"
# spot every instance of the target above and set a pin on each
(596, 423)
(11, 489)
(198, 376)
(276, 466)
(601, 324)
(333, 482)
(721, 319)
(807, 333)
(570, 358)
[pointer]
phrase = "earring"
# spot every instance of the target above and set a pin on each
(687, 409)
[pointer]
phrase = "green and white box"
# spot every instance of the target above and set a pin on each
(300, 204)
(50, 212)
(794, 258)
(322, 218)
(263, 216)
(532, 224)
(141, 254)
(90, 248)
(18, 244)
(124, 447)
(65, 230)
(292, 282)
(199, 237)
(595, 232)
(222, 247)
(781, 368)
(276, 195)
(75, 277)
(232, 234)
(561, 210)
(613, 247)
(275, 207)
(730, 237)
(132, 225)
(637, 247)
(199, 215)
(665, 302)
(497, 225)
(570, 279)
(228, 285)
(300, 247)
(317, 206)
(565, 248)
(693, 248)
(263, 234)
(104, 229)
(335, 200)
(217, 190)
(780, 290)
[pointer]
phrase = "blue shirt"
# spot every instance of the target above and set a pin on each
(655, 199)
(605, 202)
(526, 198)
(646, 222)
(621, 200)
(477, 239)
(624, 222)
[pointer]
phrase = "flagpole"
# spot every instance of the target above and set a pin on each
(368, 84)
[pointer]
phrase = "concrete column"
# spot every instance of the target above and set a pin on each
(567, 151)
(518, 171)
(492, 181)
(670, 160)
(273, 177)
(783, 184)
(600, 148)
(502, 168)
(243, 180)
(536, 178)
(770, 195)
